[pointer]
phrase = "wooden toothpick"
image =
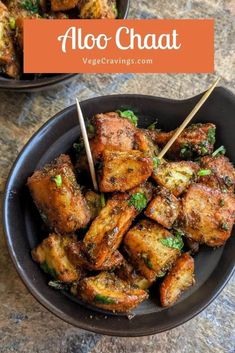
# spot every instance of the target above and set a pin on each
(87, 146)
(188, 119)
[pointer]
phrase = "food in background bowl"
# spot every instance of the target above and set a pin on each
(13, 12)
(109, 248)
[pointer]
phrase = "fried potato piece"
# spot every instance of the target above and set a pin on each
(107, 291)
(93, 201)
(8, 56)
(127, 273)
(178, 280)
(207, 215)
(98, 9)
(107, 230)
(144, 143)
(222, 173)
(51, 256)
(77, 256)
(146, 251)
(122, 171)
(63, 5)
(112, 132)
(58, 196)
(175, 176)
(195, 140)
(164, 208)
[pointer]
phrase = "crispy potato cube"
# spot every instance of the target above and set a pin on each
(207, 215)
(51, 256)
(195, 140)
(175, 176)
(164, 208)
(123, 170)
(146, 251)
(98, 9)
(63, 5)
(107, 291)
(58, 197)
(178, 280)
(107, 230)
(127, 273)
(144, 143)
(112, 132)
(222, 173)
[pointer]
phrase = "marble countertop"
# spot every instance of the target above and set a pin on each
(25, 326)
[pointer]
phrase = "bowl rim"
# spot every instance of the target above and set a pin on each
(39, 296)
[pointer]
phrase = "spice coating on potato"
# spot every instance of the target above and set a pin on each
(222, 173)
(178, 280)
(146, 251)
(112, 132)
(58, 197)
(51, 256)
(195, 140)
(94, 203)
(175, 176)
(122, 171)
(107, 230)
(144, 143)
(207, 215)
(164, 208)
(109, 292)
(98, 9)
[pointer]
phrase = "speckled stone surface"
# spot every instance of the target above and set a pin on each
(25, 326)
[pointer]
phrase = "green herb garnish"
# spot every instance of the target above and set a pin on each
(147, 261)
(204, 172)
(224, 226)
(186, 151)
(128, 114)
(58, 285)
(203, 148)
(211, 135)
(152, 126)
(12, 23)
(138, 200)
(49, 270)
(103, 299)
(78, 146)
(90, 130)
(220, 150)
(156, 163)
(102, 200)
(58, 180)
(31, 5)
(175, 242)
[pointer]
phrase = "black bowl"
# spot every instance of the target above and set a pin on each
(48, 81)
(21, 220)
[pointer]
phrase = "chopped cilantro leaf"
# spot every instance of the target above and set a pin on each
(220, 150)
(175, 242)
(58, 180)
(138, 200)
(31, 5)
(204, 172)
(156, 163)
(128, 114)
(102, 200)
(211, 135)
(147, 261)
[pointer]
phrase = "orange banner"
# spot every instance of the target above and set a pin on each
(118, 46)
